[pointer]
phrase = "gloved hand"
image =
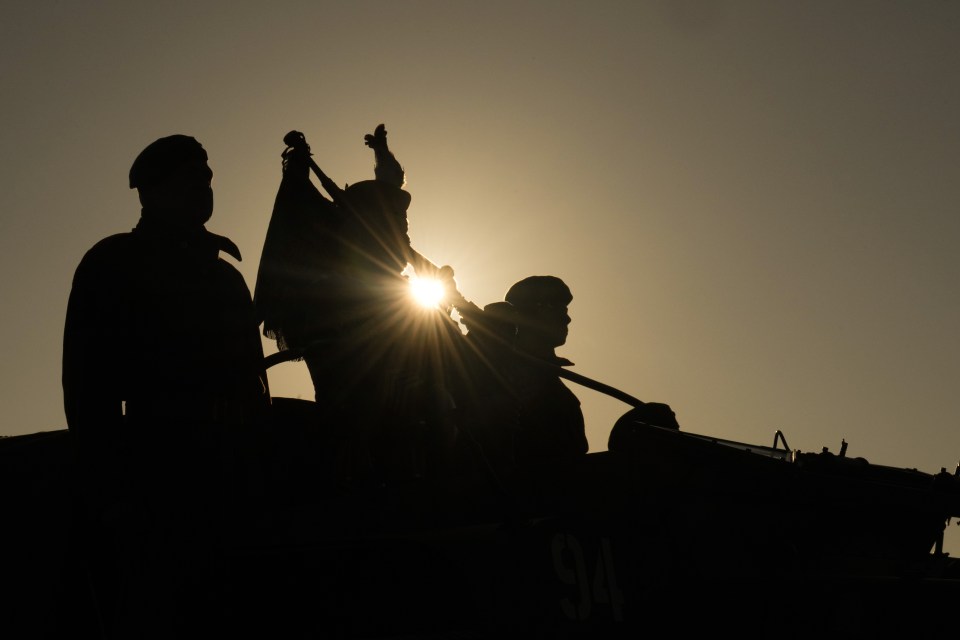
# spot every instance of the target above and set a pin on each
(451, 293)
(378, 139)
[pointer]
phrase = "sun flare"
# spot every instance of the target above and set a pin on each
(427, 292)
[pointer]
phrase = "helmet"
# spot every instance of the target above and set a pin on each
(162, 157)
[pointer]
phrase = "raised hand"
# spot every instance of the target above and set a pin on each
(378, 139)
(385, 168)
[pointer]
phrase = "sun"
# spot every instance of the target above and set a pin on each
(427, 292)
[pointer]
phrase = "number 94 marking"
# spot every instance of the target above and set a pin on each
(571, 568)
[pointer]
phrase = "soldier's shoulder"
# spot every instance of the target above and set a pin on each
(106, 261)
(116, 243)
(113, 248)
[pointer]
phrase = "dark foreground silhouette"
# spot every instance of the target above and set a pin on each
(666, 532)
(184, 501)
(163, 382)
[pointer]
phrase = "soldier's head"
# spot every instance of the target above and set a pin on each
(376, 196)
(541, 303)
(173, 180)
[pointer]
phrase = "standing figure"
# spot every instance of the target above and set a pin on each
(162, 375)
(331, 266)
(332, 285)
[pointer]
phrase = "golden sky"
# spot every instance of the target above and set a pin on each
(754, 202)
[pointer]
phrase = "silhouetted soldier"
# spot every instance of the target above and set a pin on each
(162, 363)
(515, 405)
(331, 283)
(394, 350)
(330, 271)
(551, 425)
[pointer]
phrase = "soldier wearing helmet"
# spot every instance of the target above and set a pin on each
(518, 409)
(551, 422)
(162, 363)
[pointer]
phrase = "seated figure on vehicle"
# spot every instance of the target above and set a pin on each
(517, 409)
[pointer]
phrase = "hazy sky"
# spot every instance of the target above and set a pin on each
(754, 202)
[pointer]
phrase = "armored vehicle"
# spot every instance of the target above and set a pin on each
(666, 531)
